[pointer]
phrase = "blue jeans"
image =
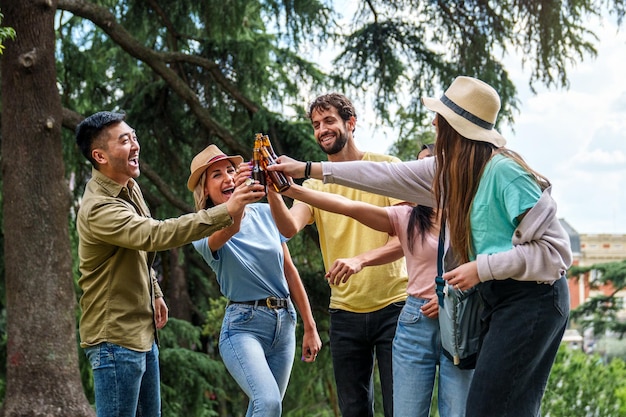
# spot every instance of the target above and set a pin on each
(126, 382)
(523, 326)
(417, 353)
(356, 340)
(257, 345)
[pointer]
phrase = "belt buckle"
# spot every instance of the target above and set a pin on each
(272, 302)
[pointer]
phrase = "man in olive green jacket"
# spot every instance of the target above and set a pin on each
(122, 303)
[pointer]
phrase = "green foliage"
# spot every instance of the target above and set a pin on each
(214, 318)
(582, 385)
(407, 148)
(601, 312)
(311, 389)
(5, 33)
(194, 383)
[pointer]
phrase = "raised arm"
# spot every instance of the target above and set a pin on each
(235, 204)
(370, 215)
(408, 181)
(289, 222)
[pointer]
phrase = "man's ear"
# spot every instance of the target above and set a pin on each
(351, 123)
(99, 156)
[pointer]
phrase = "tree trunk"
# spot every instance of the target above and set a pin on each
(42, 362)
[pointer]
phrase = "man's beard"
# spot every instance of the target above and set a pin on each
(339, 144)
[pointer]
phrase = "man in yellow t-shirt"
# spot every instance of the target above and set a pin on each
(364, 309)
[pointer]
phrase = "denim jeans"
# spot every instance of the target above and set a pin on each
(126, 382)
(257, 345)
(356, 341)
(523, 326)
(417, 354)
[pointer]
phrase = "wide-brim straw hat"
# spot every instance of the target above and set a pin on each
(201, 162)
(471, 107)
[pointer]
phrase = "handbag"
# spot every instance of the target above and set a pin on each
(459, 316)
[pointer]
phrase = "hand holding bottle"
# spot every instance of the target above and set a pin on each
(242, 195)
(289, 166)
(268, 158)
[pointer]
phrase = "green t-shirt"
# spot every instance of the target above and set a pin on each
(506, 190)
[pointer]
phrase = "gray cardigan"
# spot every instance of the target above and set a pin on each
(541, 250)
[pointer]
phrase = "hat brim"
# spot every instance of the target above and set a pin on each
(195, 175)
(466, 128)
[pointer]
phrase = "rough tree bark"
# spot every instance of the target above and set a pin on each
(42, 357)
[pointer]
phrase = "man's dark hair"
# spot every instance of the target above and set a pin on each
(339, 101)
(90, 128)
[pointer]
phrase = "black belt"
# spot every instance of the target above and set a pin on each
(269, 302)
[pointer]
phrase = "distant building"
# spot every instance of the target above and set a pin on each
(602, 248)
(590, 249)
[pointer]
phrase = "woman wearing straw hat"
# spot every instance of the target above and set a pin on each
(255, 272)
(502, 226)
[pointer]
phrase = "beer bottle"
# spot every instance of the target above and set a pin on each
(258, 174)
(279, 180)
(266, 142)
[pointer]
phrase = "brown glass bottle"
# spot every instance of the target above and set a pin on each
(279, 180)
(266, 142)
(258, 174)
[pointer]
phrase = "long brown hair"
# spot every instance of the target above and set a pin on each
(460, 165)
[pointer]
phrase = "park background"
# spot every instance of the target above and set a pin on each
(189, 74)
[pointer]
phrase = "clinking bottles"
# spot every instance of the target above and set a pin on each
(268, 157)
(258, 174)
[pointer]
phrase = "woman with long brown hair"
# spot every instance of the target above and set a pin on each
(504, 236)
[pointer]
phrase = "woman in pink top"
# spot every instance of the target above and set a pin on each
(417, 346)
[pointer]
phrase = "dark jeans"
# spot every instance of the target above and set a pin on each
(356, 341)
(523, 326)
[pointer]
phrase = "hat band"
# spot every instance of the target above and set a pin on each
(465, 114)
(216, 157)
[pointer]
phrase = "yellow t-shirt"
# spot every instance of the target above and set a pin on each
(340, 236)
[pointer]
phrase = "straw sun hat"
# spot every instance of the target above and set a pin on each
(210, 155)
(471, 107)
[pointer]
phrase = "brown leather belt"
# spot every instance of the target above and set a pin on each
(269, 302)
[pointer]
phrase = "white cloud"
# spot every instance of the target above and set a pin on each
(577, 138)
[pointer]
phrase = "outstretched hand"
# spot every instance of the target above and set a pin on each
(289, 166)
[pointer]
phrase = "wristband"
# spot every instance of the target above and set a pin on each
(307, 170)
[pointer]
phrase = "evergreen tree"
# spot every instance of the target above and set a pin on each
(191, 73)
(42, 364)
